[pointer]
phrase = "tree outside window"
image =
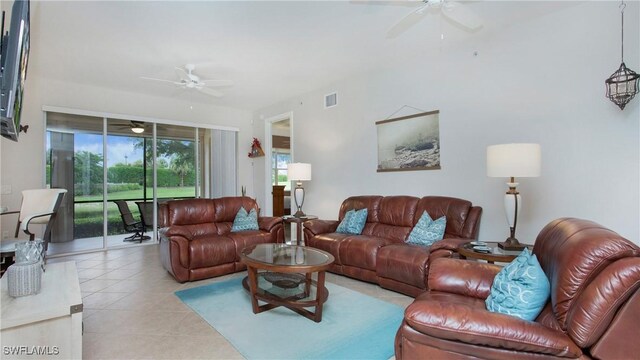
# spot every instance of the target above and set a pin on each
(280, 158)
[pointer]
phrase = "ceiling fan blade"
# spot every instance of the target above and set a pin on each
(462, 15)
(162, 80)
(406, 22)
(211, 92)
(182, 74)
(217, 83)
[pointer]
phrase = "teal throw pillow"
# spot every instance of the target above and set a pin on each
(353, 222)
(245, 221)
(427, 231)
(520, 289)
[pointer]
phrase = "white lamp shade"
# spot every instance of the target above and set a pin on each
(299, 172)
(513, 160)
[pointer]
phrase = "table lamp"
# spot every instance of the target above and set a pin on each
(513, 160)
(299, 172)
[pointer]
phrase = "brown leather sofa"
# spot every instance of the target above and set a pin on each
(593, 312)
(196, 241)
(380, 255)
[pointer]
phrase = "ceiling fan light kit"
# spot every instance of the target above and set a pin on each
(137, 127)
(622, 85)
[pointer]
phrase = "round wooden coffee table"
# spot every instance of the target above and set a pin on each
(496, 254)
(281, 275)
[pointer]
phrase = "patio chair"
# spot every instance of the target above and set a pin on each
(130, 224)
(39, 206)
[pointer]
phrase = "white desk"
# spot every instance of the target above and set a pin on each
(46, 325)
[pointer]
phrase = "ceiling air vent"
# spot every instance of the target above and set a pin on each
(330, 100)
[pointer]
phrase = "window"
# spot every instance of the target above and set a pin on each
(280, 158)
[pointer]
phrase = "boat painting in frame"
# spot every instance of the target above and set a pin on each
(409, 142)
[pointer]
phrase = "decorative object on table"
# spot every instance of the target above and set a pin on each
(357, 326)
(409, 142)
(513, 160)
(256, 149)
(24, 277)
(622, 85)
(243, 191)
(299, 172)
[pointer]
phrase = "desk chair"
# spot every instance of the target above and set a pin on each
(39, 206)
(130, 224)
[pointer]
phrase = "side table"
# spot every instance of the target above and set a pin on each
(298, 221)
(497, 254)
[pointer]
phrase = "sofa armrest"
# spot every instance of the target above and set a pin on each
(476, 326)
(267, 223)
(449, 244)
(321, 226)
(468, 278)
(182, 231)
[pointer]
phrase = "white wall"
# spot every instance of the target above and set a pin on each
(541, 81)
(23, 161)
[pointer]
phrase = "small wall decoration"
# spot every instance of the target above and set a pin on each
(409, 142)
(256, 149)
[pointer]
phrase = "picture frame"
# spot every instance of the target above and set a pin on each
(409, 143)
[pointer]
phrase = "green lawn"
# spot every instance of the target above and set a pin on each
(89, 217)
(165, 192)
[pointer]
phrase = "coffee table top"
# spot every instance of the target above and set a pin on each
(281, 256)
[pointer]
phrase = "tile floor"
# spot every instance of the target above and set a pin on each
(130, 311)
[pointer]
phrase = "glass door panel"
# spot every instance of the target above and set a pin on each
(74, 162)
(128, 174)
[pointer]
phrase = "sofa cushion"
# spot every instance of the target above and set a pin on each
(205, 251)
(371, 203)
(427, 231)
(328, 242)
(361, 250)
(353, 222)
(190, 212)
(455, 210)
(404, 263)
(520, 289)
(245, 221)
(248, 238)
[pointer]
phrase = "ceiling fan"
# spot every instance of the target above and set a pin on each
(453, 10)
(188, 80)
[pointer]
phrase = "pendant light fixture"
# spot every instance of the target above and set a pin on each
(622, 85)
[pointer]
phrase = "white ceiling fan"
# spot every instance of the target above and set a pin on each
(452, 10)
(188, 80)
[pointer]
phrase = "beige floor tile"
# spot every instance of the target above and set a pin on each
(193, 325)
(88, 264)
(132, 322)
(124, 286)
(140, 301)
(97, 285)
(101, 300)
(118, 274)
(91, 273)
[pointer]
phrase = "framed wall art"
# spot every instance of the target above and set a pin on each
(409, 142)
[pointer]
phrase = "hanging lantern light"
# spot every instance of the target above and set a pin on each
(622, 85)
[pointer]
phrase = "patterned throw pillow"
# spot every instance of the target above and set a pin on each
(245, 221)
(427, 231)
(520, 289)
(353, 222)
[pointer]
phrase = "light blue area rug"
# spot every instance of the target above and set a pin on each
(353, 326)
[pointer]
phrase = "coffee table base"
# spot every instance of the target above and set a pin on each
(293, 302)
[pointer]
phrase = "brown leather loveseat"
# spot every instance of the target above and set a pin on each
(380, 254)
(593, 311)
(196, 241)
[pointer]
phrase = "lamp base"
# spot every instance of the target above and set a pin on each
(511, 244)
(299, 214)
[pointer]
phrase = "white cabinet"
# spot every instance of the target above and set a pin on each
(48, 324)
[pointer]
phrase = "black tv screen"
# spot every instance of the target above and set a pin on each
(14, 59)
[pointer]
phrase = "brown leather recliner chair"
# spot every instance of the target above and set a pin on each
(593, 312)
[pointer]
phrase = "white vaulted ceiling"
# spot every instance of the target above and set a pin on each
(271, 50)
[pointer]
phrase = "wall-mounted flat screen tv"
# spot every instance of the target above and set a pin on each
(14, 58)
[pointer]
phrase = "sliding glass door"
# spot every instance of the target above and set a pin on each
(117, 172)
